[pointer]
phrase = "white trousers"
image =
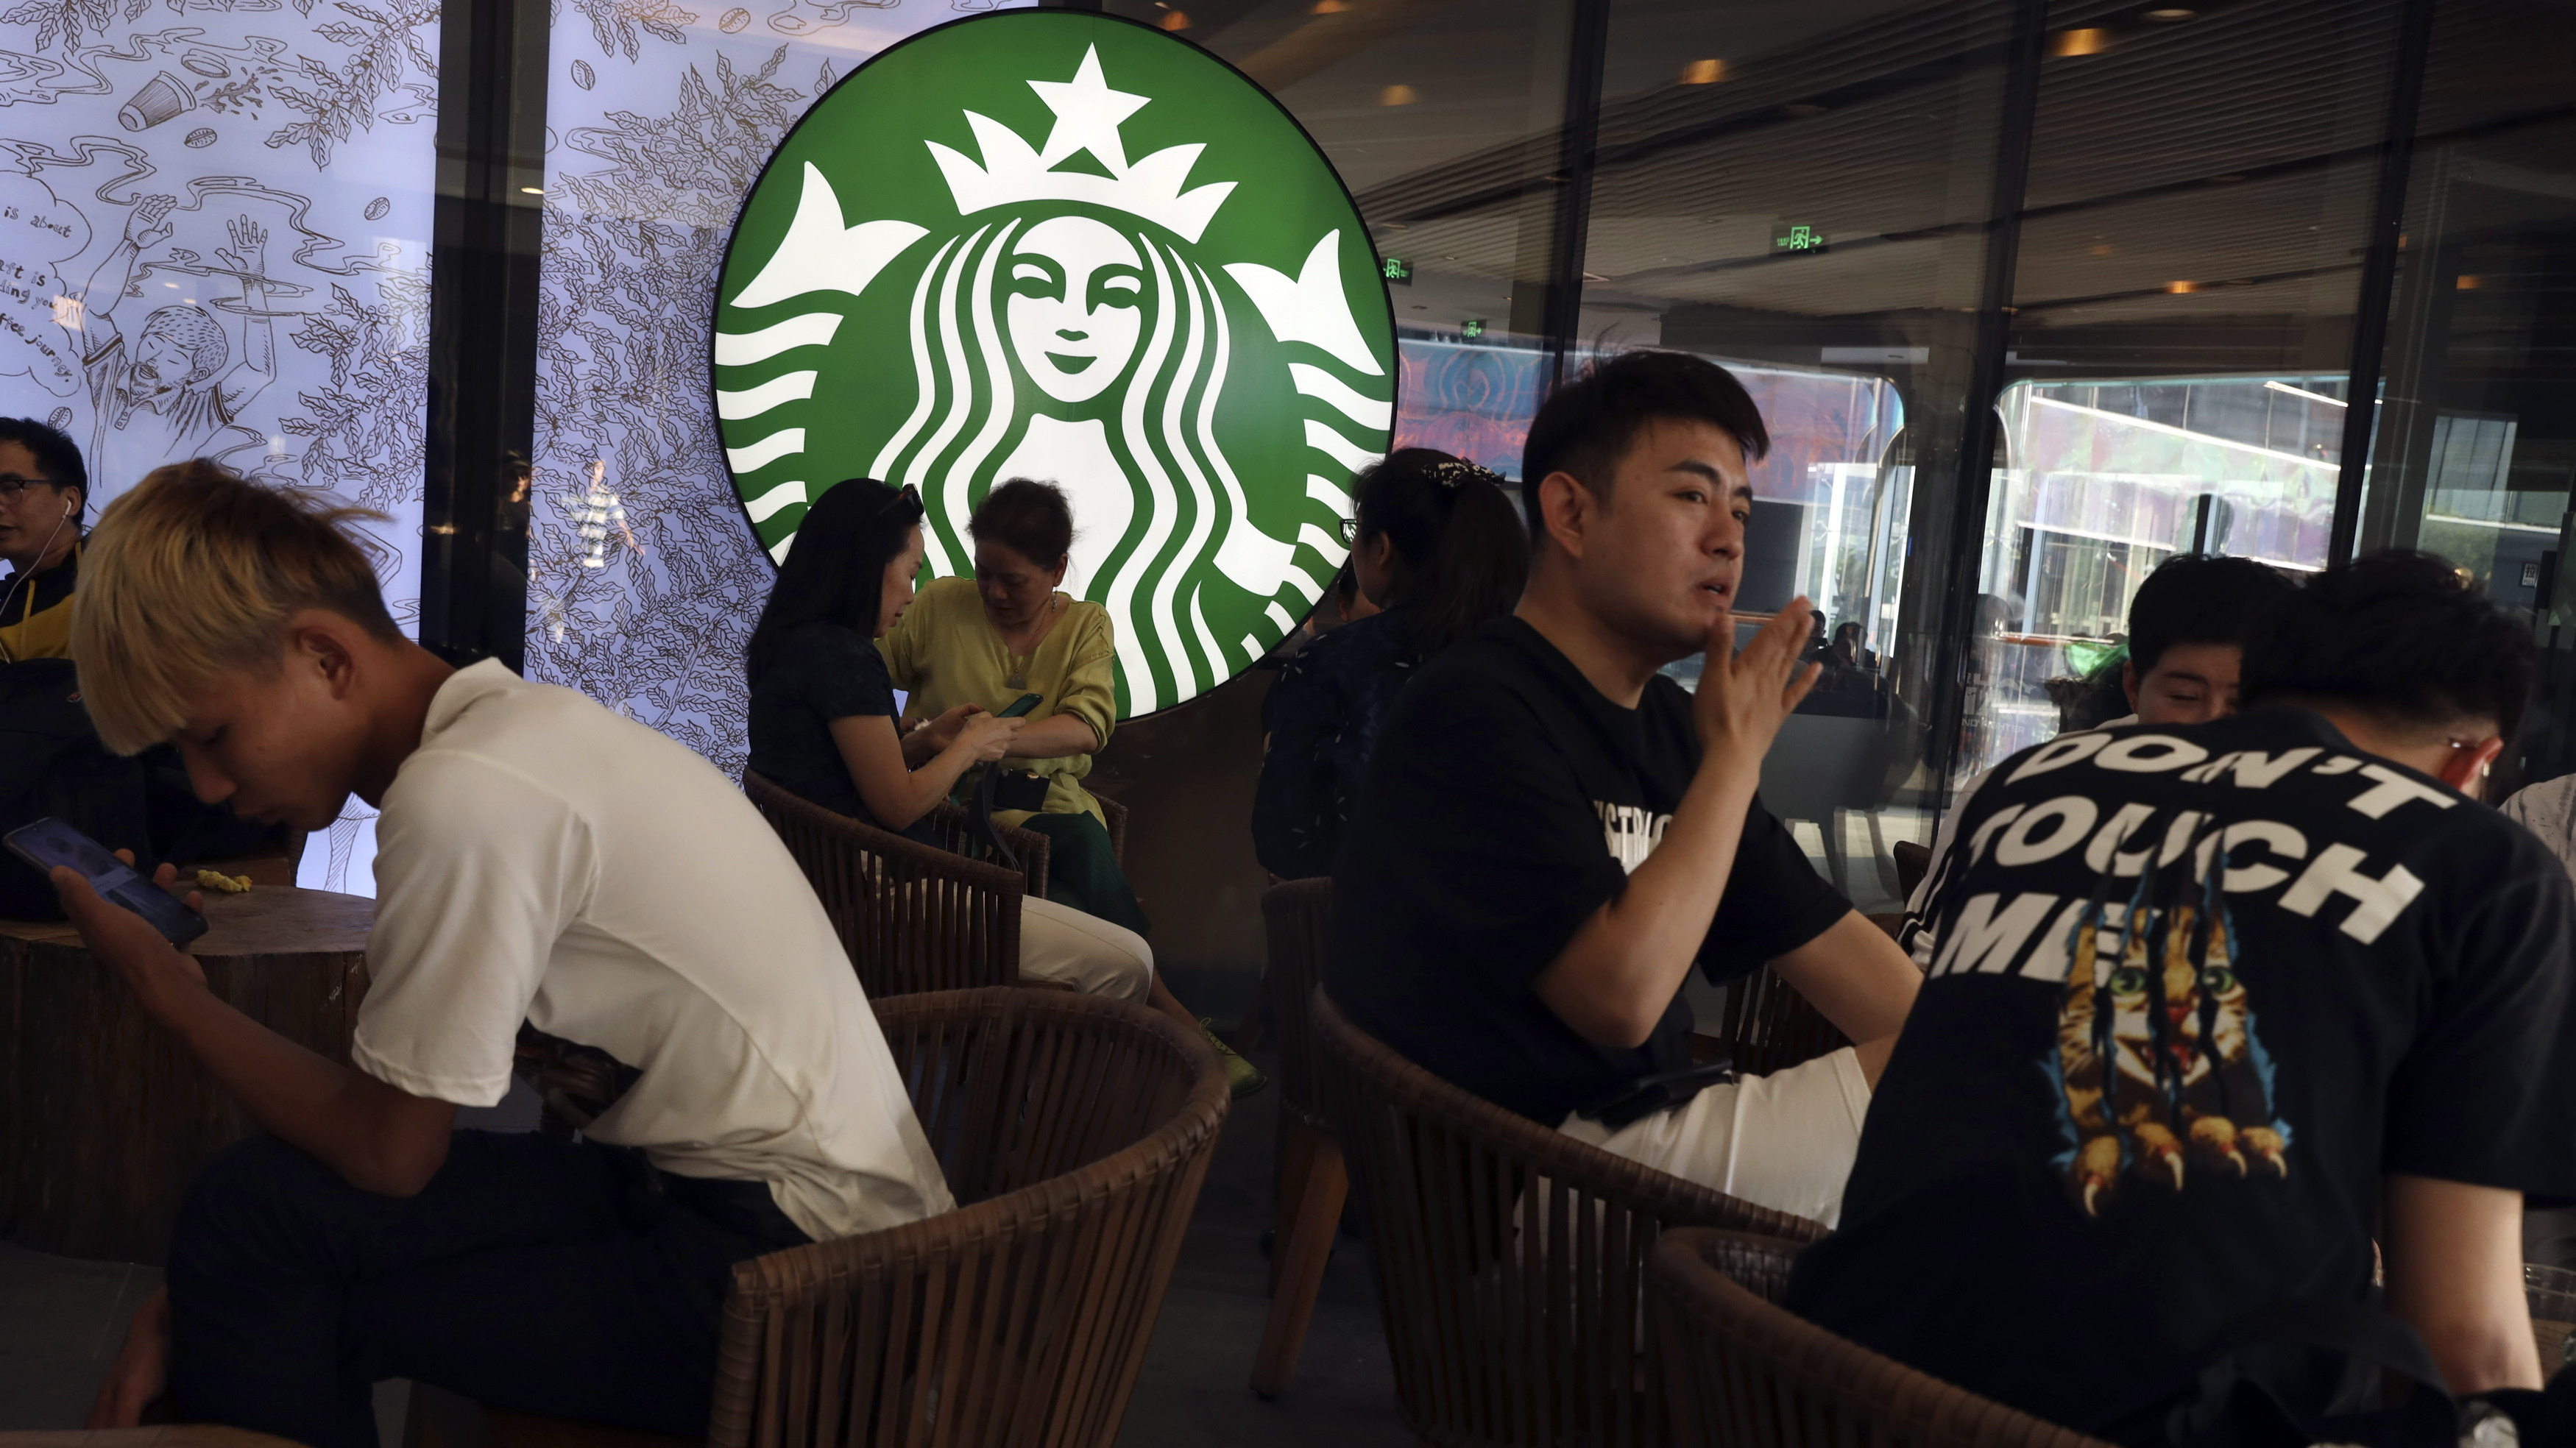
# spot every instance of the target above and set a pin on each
(1784, 1141)
(1059, 943)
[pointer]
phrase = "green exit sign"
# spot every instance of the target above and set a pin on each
(1798, 240)
(1472, 328)
(1398, 271)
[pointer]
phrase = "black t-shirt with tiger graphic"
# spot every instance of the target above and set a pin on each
(2197, 990)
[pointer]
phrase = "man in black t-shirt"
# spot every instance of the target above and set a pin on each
(1554, 834)
(2208, 1002)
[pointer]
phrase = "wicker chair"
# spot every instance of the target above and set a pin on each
(1510, 1258)
(1766, 1026)
(1913, 862)
(1075, 1132)
(1742, 1372)
(913, 917)
(1313, 1182)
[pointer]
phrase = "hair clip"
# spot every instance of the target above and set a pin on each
(1450, 474)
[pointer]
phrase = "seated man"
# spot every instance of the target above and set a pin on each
(44, 490)
(1554, 834)
(2187, 628)
(2210, 1001)
(539, 858)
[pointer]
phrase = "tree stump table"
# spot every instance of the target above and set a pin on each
(104, 1117)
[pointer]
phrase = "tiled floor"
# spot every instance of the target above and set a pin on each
(62, 1321)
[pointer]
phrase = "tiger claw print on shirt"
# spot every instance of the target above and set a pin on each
(2191, 995)
(2158, 1063)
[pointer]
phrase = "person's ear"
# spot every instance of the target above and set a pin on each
(314, 642)
(1565, 506)
(2129, 682)
(1062, 562)
(2466, 769)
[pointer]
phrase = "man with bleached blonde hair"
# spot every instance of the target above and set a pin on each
(539, 859)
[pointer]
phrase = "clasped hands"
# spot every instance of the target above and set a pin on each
(988, 735)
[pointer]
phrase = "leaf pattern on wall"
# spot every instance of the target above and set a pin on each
(216, 229)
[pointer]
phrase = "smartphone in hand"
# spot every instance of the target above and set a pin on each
(49, 843)
(1020, 706)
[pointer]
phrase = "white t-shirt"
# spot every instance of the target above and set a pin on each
(540, 858)
(2548, 809)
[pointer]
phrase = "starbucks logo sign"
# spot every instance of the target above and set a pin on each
(1059, 245)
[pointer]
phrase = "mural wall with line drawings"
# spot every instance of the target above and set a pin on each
(214, 223)
(643, 578)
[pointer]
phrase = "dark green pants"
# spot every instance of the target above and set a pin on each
(1083, 872)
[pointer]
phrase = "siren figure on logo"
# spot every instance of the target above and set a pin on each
(1067, 327)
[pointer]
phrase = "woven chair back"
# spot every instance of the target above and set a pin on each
(953, 829)
(1743, 1372)
(1767, 1026)
(1298, 915)
(1510, 1258)
(913, 918)
(1075, 1132)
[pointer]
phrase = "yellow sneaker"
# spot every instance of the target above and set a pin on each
(1242, 1078)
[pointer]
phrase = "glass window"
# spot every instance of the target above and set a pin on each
(1796, 193)
(643, 582)
(2474, 454)
(216, 242)
(1444, 122)
(2200, 189)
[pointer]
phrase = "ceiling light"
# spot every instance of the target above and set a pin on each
(1331, 7)
(2079, 42)
(1177, 20)
(2182, 288)
(533, 190)
(1397, 95)
(1704, 72)
(2470, 284)
(2171, 13)
(2103, 250)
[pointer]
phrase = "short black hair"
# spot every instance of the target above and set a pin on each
(1587, 425)
(1028, 517)
(2196, 599)
(58, 455)
(2398, 635)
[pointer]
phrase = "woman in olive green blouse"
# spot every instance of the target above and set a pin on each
(1008, 631)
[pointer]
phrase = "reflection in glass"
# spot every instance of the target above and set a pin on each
(1798, 194)
(2474, 454)
(2180, 348)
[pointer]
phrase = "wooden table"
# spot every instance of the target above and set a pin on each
(104, 1117)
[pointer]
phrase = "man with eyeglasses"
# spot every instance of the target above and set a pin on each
(44, 490)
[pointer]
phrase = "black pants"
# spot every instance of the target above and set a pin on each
(550, 1276)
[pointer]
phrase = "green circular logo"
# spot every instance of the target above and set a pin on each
(1058, 245)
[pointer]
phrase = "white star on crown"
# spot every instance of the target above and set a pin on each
(1087, 117)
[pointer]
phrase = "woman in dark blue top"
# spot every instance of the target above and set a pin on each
(823, 719)
(1438, 548)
